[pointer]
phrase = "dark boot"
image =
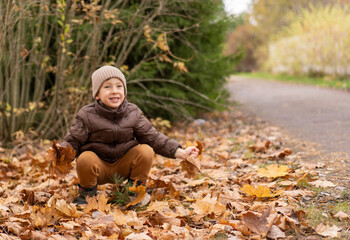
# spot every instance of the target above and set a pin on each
(83, 193)
(138, 183)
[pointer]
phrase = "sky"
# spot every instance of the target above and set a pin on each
(236, 6)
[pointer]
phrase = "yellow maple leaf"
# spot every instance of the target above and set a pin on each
(69, 210)
(97, 203)
(260, 191)
(208, 205)
(273, 171)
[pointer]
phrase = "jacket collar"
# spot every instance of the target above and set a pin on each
(111, 114)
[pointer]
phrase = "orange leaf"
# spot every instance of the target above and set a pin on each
(273, 171)
(60, 158)
(141, 193)
(260, 191)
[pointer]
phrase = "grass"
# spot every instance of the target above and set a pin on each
(328, 81)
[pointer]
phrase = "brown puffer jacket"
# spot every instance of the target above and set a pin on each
(110, 134)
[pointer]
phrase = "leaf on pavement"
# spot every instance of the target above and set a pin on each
(273, 171)
(281, 154)
(260, 146)
(260, 191)
(60, 158)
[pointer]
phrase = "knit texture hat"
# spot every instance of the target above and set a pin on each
(104, 73)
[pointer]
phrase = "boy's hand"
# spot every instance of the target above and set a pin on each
(185, 153)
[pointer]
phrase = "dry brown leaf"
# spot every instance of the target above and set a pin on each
(327, 231)
(191, 166)
(60, 158)
(32, 197)
(208, 205)
(276, 233)
(324, 184)
(69, 210)
(281, 154)
(273, 171)
(260, 223)
(160, 218)
(260, 191)
(138, 236)
(342, 216)
(260, 146)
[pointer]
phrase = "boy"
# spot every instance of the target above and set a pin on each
(112, 136)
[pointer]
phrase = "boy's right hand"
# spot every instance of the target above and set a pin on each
(185, 153)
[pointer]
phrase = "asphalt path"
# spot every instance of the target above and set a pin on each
(315, 114)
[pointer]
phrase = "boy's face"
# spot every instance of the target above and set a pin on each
(111, 93)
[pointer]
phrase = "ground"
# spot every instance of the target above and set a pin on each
(227, 194)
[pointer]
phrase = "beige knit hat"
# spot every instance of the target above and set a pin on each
(104, 73)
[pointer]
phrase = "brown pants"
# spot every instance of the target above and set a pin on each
(135, 164)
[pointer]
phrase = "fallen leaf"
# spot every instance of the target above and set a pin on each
(273, 171)
(69, 210)
(208, 205)
(342, 216)
(327, 231)
(260, 223)
(319, 183)
(260, 146)
(281, 154)
(276, 233)
(260, 191)
(138, 236)
(98, 203)
(159, 219)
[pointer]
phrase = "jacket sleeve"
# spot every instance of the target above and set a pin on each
(146, 134)
(78, 133)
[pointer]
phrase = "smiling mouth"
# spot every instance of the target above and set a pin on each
(114, 99)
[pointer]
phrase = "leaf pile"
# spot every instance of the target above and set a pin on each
(243, 189)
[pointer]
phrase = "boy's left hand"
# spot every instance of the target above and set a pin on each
(185, 153)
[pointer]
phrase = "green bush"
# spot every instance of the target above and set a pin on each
(170, 52)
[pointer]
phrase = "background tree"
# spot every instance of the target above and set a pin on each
(170, 51)
(265, 20)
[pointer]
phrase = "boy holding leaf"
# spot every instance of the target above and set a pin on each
(112, 136)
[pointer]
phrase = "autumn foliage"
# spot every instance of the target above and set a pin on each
(241, 190)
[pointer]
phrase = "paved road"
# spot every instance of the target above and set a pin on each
(310, 113)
